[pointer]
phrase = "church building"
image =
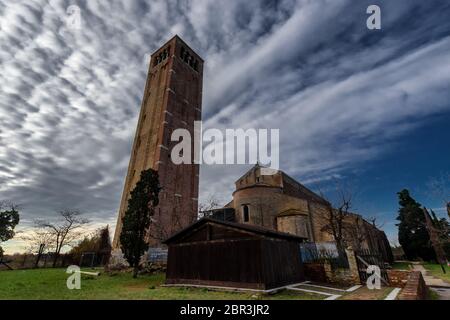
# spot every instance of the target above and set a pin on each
(279, 202)
(173, 99)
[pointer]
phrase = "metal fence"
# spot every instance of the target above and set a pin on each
(364, 258)
(324, 252)
(157, 255)
(94, 259)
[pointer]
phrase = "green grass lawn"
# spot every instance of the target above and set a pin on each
(433, 295)
(403, 265)
(436, 270)
(51, 284)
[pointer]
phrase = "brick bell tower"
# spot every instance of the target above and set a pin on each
(172, 100)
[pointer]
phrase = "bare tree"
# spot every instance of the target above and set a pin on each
(373, 221)
(9, 205)
(38, 241)
(161, 231)
(345, 227)
(64, 231)
(210, 203)
(354, 232)
(35, 238)
(439, 187)
(336, 217)
(435, 239)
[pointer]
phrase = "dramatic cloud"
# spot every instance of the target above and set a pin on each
(341, 94)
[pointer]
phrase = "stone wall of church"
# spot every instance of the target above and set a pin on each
(295, 224)
(319, 214)
(264, 204)
(280, 203)
(254, 177)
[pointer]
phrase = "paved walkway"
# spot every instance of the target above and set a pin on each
(430, 280)
(439, 286)
(444, 294)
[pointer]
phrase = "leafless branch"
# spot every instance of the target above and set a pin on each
(210, 203)
(64, 231)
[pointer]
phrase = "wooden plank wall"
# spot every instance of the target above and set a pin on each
(221, 261)
(281, 263)
(255, 263)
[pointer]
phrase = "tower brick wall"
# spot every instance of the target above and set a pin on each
(172, 100)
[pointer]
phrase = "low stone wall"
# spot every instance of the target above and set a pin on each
(341, 276)
(323, 272)
(398, 278)
(415, 288)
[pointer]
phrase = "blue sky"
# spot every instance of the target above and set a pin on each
(368, 108)
(417, 159)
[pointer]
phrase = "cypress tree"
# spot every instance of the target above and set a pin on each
(137, 219)
(412, 230)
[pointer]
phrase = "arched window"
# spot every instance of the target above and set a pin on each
(245, 213)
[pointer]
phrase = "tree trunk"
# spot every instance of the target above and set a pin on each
(435, 241)
(448, 209)
(135, 271)
(55, 259)
(41, 249)
(24, 260)
(340, 246)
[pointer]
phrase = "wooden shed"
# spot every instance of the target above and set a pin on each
(227, 254)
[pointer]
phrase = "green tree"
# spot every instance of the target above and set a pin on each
(99, 243)
(137, 219)
(104, 245)
(412, 230)
(9, 218)
(89, 244)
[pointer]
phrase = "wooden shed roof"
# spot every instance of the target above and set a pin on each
(268, 233)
